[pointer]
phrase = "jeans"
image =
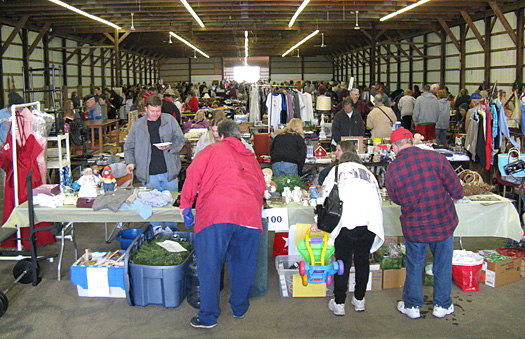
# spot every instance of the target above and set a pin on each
(441, 136)
(442, 270)
(283, 167)
(161, 183)
(238, 245)
(354, 243)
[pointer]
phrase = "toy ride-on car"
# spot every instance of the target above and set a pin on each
(316, 251)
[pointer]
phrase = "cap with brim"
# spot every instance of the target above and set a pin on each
(169, 92)
(399, 134)
(476, 96)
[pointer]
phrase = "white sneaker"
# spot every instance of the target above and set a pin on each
(338, 309)
(359, 305)
(412, 312)
(440, 312)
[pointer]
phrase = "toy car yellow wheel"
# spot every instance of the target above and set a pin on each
(305, 280)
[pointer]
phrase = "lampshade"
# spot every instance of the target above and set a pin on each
(206, 96)
(323, 103)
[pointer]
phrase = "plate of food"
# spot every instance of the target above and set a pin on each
(161, 144)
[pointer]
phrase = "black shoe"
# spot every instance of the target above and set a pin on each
(196, 322)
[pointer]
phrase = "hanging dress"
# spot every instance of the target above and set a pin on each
(27, 154)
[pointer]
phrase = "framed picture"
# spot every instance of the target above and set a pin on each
(357, 141)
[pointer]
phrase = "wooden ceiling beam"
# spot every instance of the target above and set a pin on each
(70, 56)
(504, 21)
(449, 33)
(13, 34)
(473, 27)
(38, 38)
(92, 51)
(411, 43)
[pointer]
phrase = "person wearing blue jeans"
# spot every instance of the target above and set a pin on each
(425, 185)
(288, 149)
(152, 150)
(442, 270)
(283, 167)
(238, 246)
(228, 220)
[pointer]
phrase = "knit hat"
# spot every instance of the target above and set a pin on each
(475, 96)
(399, 134)
(15, 99)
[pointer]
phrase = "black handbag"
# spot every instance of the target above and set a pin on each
(330, 212)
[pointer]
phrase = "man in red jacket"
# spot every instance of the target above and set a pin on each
(228, 220)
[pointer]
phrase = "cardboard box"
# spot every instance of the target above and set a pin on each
(394, 278)
(502, 272)
(375, 280)
(101, 281)
(312, 290)
(522, 267)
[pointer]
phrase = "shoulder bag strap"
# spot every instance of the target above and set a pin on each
(336, 174)
(391, 122)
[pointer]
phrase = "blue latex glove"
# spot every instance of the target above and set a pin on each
(188, 217)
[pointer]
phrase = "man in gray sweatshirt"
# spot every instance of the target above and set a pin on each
(426, 112)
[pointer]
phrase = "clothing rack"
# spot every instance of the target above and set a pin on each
(271, 101)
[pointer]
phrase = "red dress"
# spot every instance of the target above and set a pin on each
(26, 161)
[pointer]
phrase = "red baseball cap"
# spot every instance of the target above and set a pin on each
(399, 134)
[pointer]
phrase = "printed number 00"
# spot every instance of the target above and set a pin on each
(276, 219)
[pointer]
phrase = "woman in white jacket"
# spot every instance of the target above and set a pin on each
(360, 230)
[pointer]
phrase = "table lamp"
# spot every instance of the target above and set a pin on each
(323, 105)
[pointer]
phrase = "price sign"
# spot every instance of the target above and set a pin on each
(277, 218)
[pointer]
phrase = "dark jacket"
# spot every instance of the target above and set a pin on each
(289, 147)
(343, 126)
(170, 108)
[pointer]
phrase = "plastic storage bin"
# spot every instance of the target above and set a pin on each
(282, 264)
(158, 285)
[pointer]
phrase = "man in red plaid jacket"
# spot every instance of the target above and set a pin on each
(424, 184)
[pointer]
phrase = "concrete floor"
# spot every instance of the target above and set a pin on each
(54, 310)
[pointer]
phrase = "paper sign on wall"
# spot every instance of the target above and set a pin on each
(277, 218)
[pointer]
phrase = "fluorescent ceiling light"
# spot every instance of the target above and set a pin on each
(299, 10)
(301, 42)
(391, 15)
(187, 43)
(81, 12)
(245, 48)
(192, 12)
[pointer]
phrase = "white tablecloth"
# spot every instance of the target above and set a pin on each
(475, 220)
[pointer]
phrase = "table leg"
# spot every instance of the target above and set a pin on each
(92, 138)
(100, 140)
(117, 136)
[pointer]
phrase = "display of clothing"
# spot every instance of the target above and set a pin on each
(274, 104)
(29, 148)
(255, 112)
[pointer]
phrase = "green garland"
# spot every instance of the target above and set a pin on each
(287, 180)
(152, 254)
